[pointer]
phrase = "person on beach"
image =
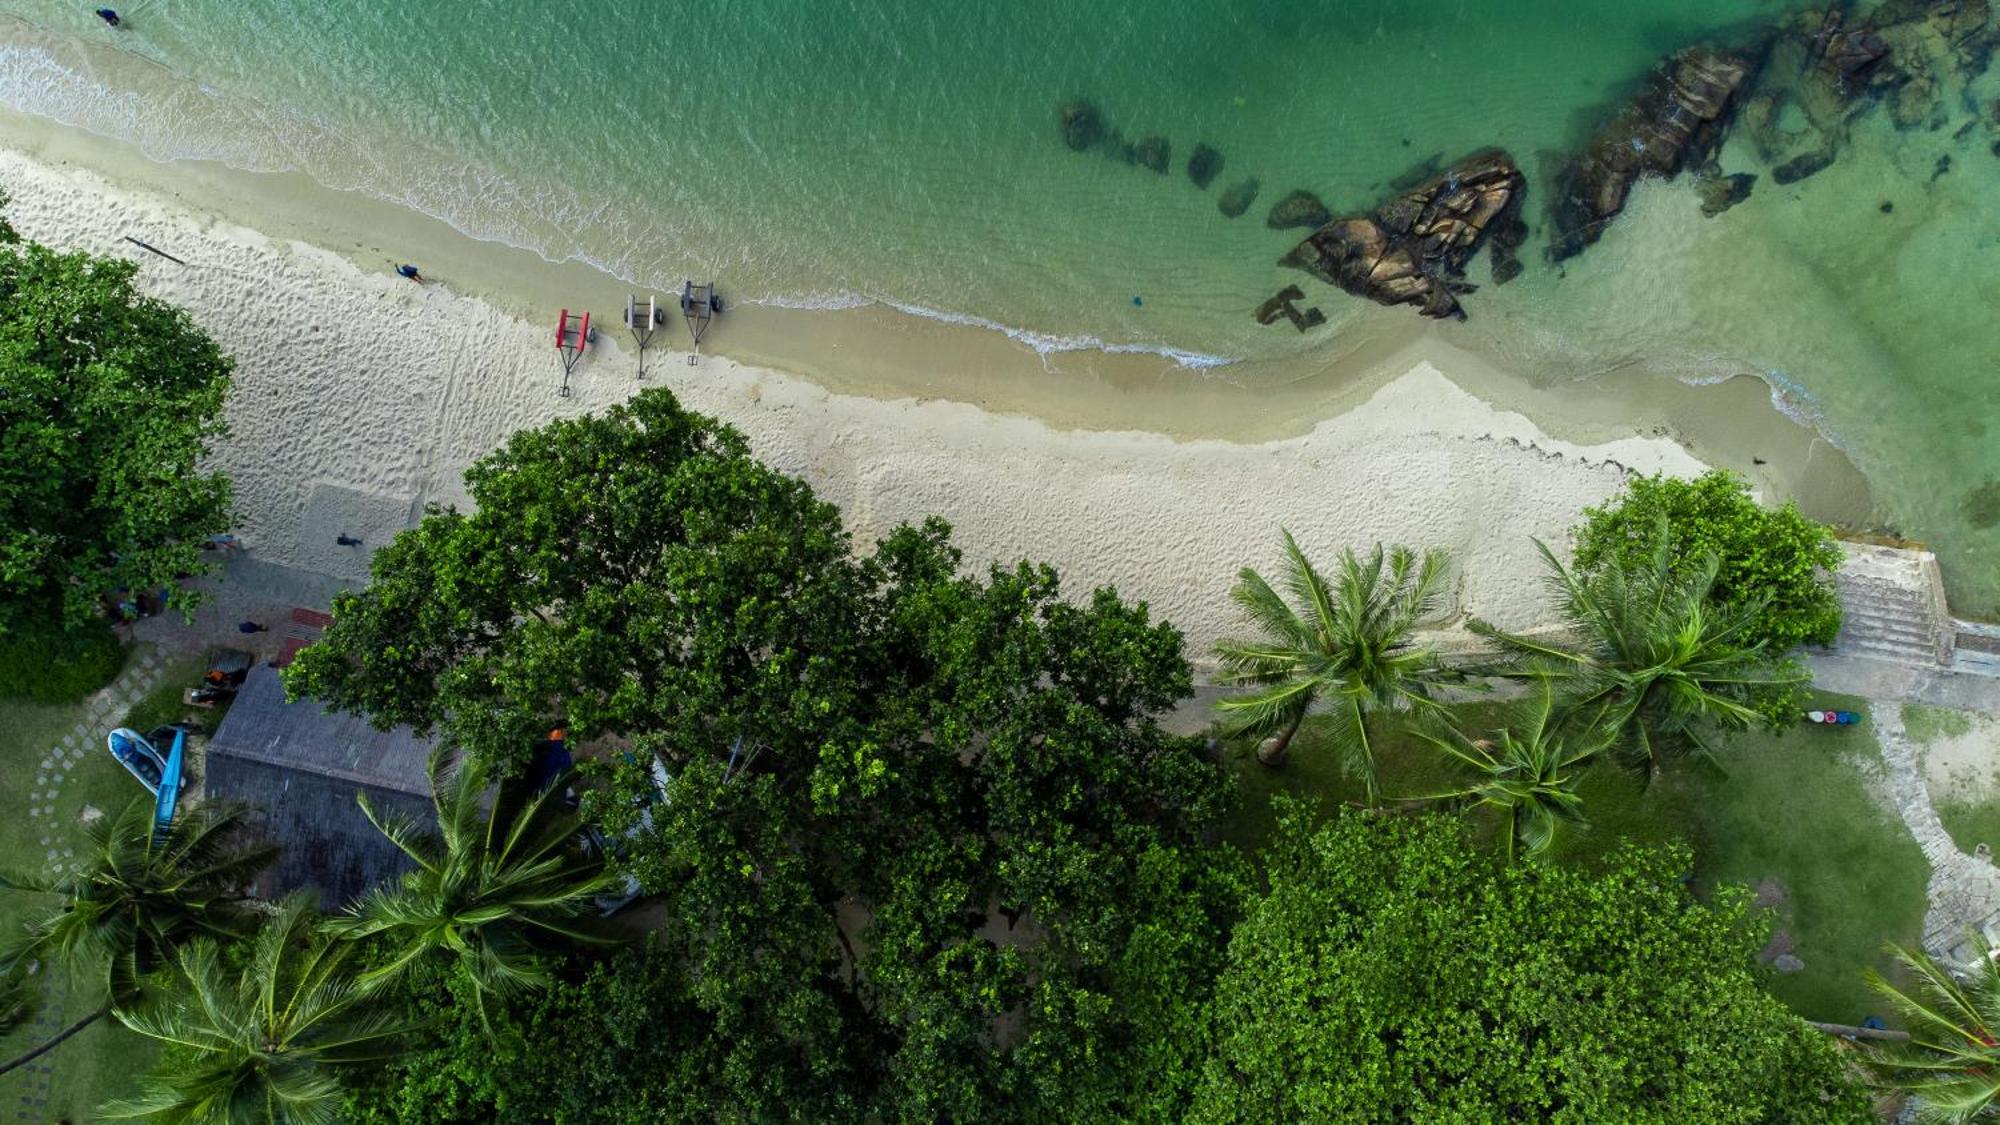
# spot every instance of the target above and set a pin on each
(251, 627)
(109, 15)
(411, 273)
(346, 540)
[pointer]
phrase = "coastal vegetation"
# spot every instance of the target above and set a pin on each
(113, 400)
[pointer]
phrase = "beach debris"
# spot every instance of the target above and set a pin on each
(572, 336)
(1676, 122)
(699, 305)
(643, 320)
(1204, 164)
(147, 246)
(1413, 249)
(1283, 305)
(1082, 125)
(1237, 198)
(1156, 153)
(1299, 209)
(1720, 193)
(1799, 167)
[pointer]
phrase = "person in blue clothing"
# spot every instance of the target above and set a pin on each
(110, 16)
(411, 273)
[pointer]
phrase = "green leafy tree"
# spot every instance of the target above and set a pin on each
(1772, 563)
(1656, 662)
(264, 1037)
(494, 885)
(1348, 644)
(1952, 1062)
(1393, 974)
(925, 849)
(1528, 771)
(113, 400)
(137, 896)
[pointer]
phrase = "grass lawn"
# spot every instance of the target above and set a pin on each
(104, 1060)
(1793, 808)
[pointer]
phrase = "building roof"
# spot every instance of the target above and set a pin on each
(262, 727)
(300, 769)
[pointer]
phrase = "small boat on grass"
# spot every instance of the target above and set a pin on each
(168, 794)
(139, 758)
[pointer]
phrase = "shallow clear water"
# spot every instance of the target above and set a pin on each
(909, 151)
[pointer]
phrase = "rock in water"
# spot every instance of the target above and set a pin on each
(1720, 193)
(1155, 153)
(1204, 164)
(1792, 171)
(1299, 209)
(1237, 198)
(1082, 125)
(1413, 249)
(1674, 123)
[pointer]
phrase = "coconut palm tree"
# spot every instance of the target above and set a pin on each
(491, 887)
(138, 895)
(1952, 1062)
(264, 1040)
(1654, 661)
(1347, 645)
(1528, 770)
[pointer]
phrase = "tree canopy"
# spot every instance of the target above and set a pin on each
(1772, 563)
(925, 850)
(1393, 974)
(109, 402)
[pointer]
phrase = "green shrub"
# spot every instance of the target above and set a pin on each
(1772, 553)
(47, 664)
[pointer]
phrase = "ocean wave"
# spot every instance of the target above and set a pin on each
(1042, 343)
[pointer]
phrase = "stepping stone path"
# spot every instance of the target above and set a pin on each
(55, 823)
(1964, 891)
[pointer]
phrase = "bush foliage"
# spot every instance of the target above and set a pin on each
(112, 400)
(45, 663)
(1773, 556)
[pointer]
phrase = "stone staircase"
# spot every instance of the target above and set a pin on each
(1894, 610)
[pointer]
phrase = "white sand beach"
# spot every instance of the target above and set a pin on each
(360, 397)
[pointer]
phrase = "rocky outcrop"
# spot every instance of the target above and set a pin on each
(1237, 198)
(1204, 164)
(1299, 209)
(1675, 123)
(1720, 193)
(1412, 250)
(1082, 125)
(1800, 167)
(1155, 153)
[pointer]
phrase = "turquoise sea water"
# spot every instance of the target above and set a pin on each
(827, 152)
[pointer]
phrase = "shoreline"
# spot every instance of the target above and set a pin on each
(876, 350)
(360, 398)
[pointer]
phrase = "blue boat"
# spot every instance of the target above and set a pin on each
(169, 793)
(139, 758)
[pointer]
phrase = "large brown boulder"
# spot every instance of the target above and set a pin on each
(1412, 250)
(1675, 123)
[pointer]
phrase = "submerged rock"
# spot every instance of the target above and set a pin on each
(1798, 168)
(1299, 209)
(1720, 193)
(1204, 164)
(1237, 198)
(1082, 125)
(1155, 153)
(1675, 123)
(1412, 250)
(1283, 305)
